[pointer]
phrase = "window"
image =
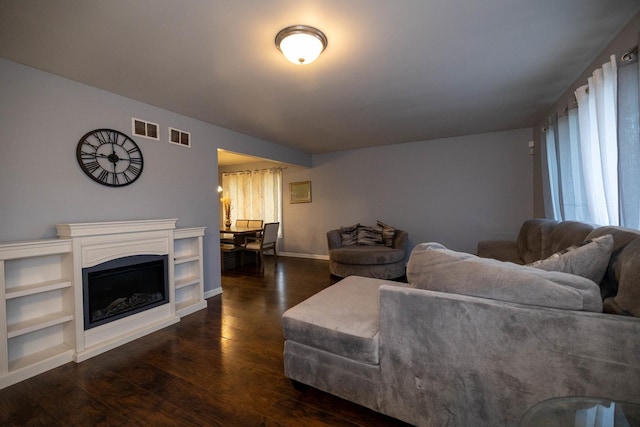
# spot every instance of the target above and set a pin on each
(592, 150)
(255, 194)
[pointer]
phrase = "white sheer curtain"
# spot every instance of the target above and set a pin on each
(566, 179)
(255, 194)
(592, 152)
(597, 105)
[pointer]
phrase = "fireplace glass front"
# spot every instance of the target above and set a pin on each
(124, 286)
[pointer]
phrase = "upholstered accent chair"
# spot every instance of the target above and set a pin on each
(380, 261)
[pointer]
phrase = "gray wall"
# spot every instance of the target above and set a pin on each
(455, 191)
(42, 117)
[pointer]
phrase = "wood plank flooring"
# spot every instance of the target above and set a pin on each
(221, 366)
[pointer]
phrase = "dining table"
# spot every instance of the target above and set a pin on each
(239, 233)
(230, 260)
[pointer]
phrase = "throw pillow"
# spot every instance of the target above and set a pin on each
(388, 232)
(436, 268)
(369, 236)
(349, 235)
(588, 259)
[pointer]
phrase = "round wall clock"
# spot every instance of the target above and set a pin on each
(109, 157)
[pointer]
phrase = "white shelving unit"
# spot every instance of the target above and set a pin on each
(41, 325)
(188, 270)
(37, 310)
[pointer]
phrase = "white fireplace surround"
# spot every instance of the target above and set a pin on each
(95, 243)
(41, 315)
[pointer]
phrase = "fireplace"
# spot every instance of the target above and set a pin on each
(122, 287)
(112, 305)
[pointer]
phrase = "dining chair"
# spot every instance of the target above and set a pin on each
(266, 242)
(254, 223)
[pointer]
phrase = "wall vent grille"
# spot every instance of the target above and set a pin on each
(145, 129)
(180, 137)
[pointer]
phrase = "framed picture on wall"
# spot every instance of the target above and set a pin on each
(300, 192)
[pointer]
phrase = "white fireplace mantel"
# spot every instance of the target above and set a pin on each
(114, 227)
(41, 312)
(95, 243)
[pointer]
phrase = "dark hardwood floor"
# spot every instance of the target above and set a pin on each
(219, 366)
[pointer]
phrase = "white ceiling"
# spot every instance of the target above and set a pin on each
(393, 72)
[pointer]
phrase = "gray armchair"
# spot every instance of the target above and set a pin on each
(380, 262)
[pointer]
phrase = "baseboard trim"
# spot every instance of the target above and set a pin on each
(299, 255)
(213, 292)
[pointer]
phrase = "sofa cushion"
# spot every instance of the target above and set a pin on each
(369, 236)
(349, 235)
(342, 319)
(620, 286)
(627, 269)
(566, 234)
(588, 259)
(534, 238)
(366, 255)
(622, 237)
(388, 232)
(434, 267)
(540, 238)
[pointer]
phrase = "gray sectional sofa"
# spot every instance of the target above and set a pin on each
(448, 348)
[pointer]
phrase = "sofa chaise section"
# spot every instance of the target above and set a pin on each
(332, 340)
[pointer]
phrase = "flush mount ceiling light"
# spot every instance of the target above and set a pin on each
(301, 44)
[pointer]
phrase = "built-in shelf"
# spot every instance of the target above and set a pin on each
(185, 259)
(41, 320)
(33, 325)
(188, 281)
(189, 286)
(59, 351)
(37, 309)
(51, 285)
(183, 305)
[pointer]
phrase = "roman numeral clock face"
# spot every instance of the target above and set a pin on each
(109, 157)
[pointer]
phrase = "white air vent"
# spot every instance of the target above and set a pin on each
(145, 129)
(180, 137)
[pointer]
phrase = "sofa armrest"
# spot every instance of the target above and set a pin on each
(449, 359)
(400, 240)
(333, 239)
(502, 250)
